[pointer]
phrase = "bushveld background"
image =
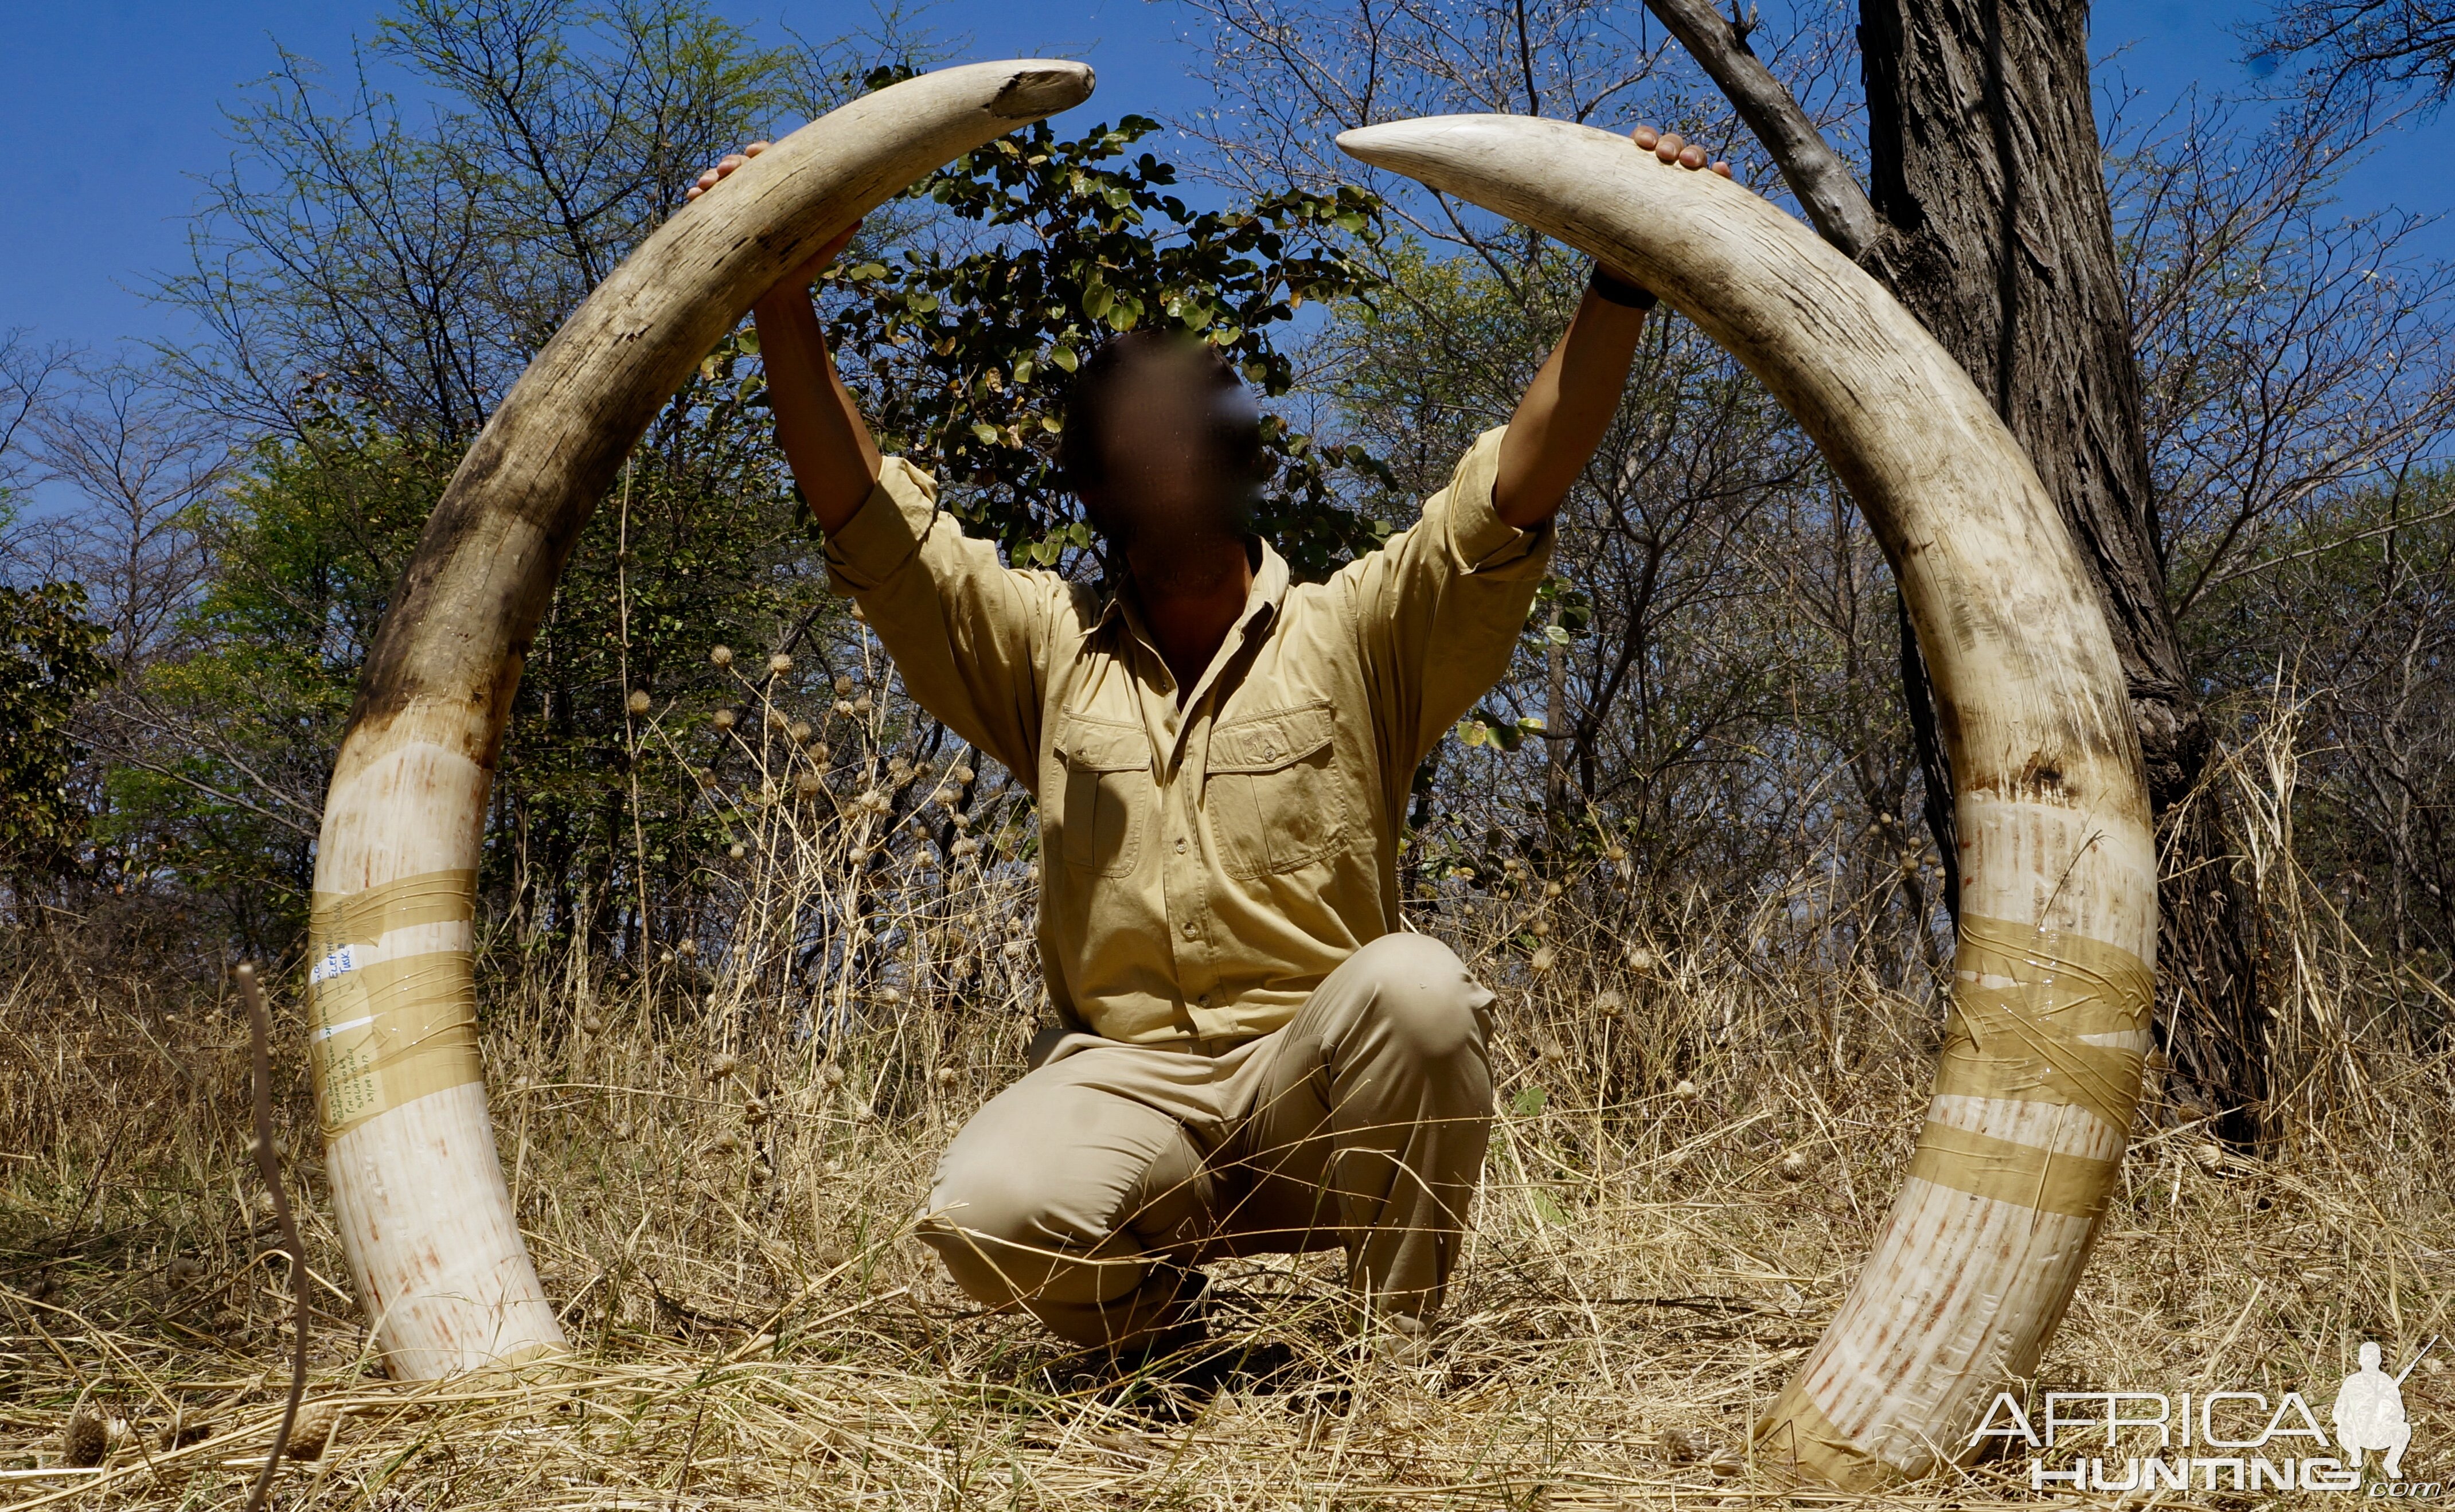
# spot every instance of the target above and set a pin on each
(757, 934)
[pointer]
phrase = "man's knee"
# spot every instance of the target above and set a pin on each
(1003, 1201)
(991, 1228)
(1433, 1008)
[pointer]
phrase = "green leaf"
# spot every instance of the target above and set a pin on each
(1528, 1102)
(1549, 1210)
(1063, 358)
(987, 432)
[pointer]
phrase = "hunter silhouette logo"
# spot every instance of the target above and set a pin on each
(2224, 1440)
(2369, 1415)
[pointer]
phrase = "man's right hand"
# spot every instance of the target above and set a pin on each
(800, 278)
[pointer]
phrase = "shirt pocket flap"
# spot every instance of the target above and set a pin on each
(1267, 742)
(1094, 745)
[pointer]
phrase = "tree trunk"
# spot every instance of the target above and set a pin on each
(1998, 236)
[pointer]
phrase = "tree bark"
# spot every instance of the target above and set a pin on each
(1998, 236)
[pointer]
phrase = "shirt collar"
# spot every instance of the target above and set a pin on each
(1262, 602)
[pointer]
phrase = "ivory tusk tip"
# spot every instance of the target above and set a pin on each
(1391, 143)
(1042, 87)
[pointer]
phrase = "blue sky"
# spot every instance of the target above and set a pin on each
(109, 108)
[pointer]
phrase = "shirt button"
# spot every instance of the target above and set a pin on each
(1180, 847)
(1203, 1001)
(1189, 929)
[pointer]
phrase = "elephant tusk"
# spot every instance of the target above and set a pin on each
(2044, 1053)
(433, 1243)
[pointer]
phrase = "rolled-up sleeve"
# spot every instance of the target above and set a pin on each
(1439, 608)
(967, 633)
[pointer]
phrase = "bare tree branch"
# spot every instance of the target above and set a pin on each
(1834, 203)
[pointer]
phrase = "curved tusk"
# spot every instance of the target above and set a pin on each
(2042, 1056)
(431, 1240)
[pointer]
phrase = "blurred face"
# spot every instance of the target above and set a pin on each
(1170, 502)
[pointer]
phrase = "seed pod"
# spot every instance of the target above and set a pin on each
(778, 718)
(800, 732)
(639, 700)
(1796, 1165)
(1686, 1091)
(1609, 1004)
(809, 784)
(1540, 929)
(687, 947)
(1639, 958)
(312, 1433)
(780, 664)
(1615, 853)
(184, 1429)
(1686, 1445)
(1552, 890)
(754, 1111)
(723, 1066)
(843, 687)
(727, 1143)
(626, 1131)
(946, 1076)
(963, 774)
(889, 996)
(966, 847)
(85, 1440)
(721, 656)
(590, 1023)
(736, 851)
(832, 1075)
(1540, 962)
(841, 709)
(2208, 1155)
(861, 704)
(722, 718)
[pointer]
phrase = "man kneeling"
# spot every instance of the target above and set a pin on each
(1251, 1057)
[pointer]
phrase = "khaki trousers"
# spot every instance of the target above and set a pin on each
(1085, 1192)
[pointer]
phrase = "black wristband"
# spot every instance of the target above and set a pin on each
(1612, 289)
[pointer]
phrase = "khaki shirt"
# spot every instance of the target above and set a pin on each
(1207, 861)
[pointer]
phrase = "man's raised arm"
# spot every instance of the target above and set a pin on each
(1568, 406)
(965, 631)
(833, 456)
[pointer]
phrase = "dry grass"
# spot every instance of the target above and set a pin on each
(717, 1194)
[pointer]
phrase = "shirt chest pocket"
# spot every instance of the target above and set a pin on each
(1108, 790)
(1274, 796)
